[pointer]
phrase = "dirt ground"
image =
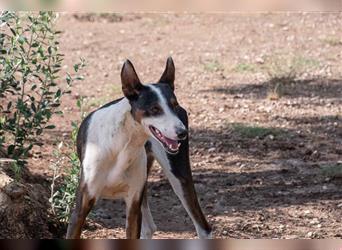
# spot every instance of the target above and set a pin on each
(261, 165)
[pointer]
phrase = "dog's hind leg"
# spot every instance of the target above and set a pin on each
(148, 226)
(84, 203)
(178, 171)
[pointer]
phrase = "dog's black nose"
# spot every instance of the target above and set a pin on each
(182, 133)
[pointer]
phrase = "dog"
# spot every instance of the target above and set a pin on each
(117, 145)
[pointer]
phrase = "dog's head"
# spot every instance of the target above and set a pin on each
(154, 105)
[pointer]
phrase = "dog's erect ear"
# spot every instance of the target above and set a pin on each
(131, 84)
(169, 73)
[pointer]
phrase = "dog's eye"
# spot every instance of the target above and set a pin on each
(155, 110)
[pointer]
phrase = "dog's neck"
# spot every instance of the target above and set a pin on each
(135, 132)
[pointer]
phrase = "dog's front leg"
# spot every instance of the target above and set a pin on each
(84, 203)
(148, 226)
(183, 186)
(133, 217)
(177, 169)
(137, 177)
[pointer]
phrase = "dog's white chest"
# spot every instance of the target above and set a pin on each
(113, 152)
(128, 169)
(120, 169)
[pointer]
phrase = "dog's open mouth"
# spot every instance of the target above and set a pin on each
(171, 146)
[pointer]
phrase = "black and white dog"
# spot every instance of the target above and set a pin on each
(117, 145)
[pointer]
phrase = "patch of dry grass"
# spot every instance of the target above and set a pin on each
(283, 70)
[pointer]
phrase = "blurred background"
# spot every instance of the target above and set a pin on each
(187, 5)
(263, 92)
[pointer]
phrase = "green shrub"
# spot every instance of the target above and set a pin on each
(283, 70)
(64, 185)
(30, 89)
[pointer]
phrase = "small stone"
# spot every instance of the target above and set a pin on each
(211, 150)
(242, 165)
(309, 234)
(4, 200)
(259, 60)
(290, 38)
(314, 221)
(225, 233)
(4, 180)
(14, 190)
(218, 159)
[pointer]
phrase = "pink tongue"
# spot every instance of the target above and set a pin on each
(172, 142)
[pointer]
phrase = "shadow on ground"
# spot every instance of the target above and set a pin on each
(259, 168)
(280, 168)
(316, 87)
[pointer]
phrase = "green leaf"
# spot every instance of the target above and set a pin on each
(33, 107)
(50, 127)
(68, 79)
(58, 93)
(79, 103)
(27, 149)
(9, 105)
(10, 149)
(13, 31)
(79, 78)
(76, 66)
(21, 40)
